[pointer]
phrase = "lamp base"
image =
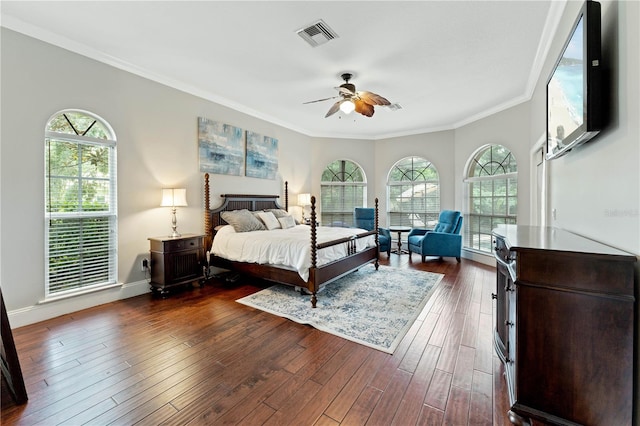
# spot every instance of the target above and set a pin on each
(174, 224)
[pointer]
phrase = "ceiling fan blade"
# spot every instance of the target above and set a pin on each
(363, 108)
(320, 100)
(334, 108)
(373, 99)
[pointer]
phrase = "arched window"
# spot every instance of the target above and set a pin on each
(492, 195)
(80, 204)
(414, 193)
(343, 187)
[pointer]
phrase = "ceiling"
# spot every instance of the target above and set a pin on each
(446, 63)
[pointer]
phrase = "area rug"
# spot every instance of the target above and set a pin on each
(373, 308)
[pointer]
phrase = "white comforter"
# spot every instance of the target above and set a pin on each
(285, 247)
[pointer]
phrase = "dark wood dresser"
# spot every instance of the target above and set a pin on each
(565, 319)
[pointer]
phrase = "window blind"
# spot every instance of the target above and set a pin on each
(81, 210)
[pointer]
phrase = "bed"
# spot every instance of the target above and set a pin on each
(321, 270)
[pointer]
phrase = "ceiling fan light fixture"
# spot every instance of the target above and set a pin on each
(361, 102)
(347, 106)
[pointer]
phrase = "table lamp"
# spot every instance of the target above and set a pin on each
(174, 197)
(304, 200)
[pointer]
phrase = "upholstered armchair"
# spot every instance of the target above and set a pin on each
(364, 217)
(443, 240)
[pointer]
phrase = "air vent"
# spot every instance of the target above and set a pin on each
(317, 33)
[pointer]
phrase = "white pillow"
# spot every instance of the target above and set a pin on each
(224, 229)
(269, 220)
(287, 222)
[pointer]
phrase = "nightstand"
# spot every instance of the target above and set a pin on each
(175, 261)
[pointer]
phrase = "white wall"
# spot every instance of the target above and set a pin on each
(595, 189)
(437, 147)
(326, 150)
(156, 129)
(509, 128)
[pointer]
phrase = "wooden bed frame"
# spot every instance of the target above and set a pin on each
(318, 275)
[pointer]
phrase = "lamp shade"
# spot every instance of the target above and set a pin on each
(304, 199)
(347, 106)
(174, 197)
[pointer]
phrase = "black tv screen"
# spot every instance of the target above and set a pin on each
(574, 92)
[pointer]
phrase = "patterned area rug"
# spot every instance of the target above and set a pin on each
(373, 308)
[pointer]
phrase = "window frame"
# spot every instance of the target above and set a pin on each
(477, 228)
(345, 216)
(79, 220)
(431, 204)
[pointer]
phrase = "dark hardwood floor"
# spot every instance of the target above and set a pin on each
(198, 357)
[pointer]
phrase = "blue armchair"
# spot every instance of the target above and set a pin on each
(444, 240)
(364, 217)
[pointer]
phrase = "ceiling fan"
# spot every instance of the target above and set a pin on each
(361, 102)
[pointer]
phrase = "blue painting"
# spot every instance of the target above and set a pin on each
(262, 156)
(220, 148)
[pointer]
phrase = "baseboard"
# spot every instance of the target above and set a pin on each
(44, 311)
(485, 259)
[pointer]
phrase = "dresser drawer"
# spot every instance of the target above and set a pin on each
(172, 245)
(183, 244)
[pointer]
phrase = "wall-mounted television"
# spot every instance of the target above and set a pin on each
(574, 90)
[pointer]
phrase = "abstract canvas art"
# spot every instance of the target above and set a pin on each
(220, 148)
(262, 156)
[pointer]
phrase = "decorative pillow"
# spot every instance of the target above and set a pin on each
(269, 220)
(278, 213)
(287, 222)
(242, 220)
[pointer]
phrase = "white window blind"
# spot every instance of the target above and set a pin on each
(491, 191)
(343, 188)
(81, 210)
(413, 189)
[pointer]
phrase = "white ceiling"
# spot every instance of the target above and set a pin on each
(447, 63)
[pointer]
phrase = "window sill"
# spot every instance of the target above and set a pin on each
(79, 293)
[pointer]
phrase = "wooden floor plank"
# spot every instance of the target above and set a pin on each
(362, 408)
(430, 416)
(463, 371)
(258, 416)
(315, 408)
(413, 400)
(457, 411)
(198, 357)
(451, 344)
(472, 323)
(387, 405)
(438, 391)
(481, 407)
(353, 388)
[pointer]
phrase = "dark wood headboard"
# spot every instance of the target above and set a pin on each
(252, 202)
